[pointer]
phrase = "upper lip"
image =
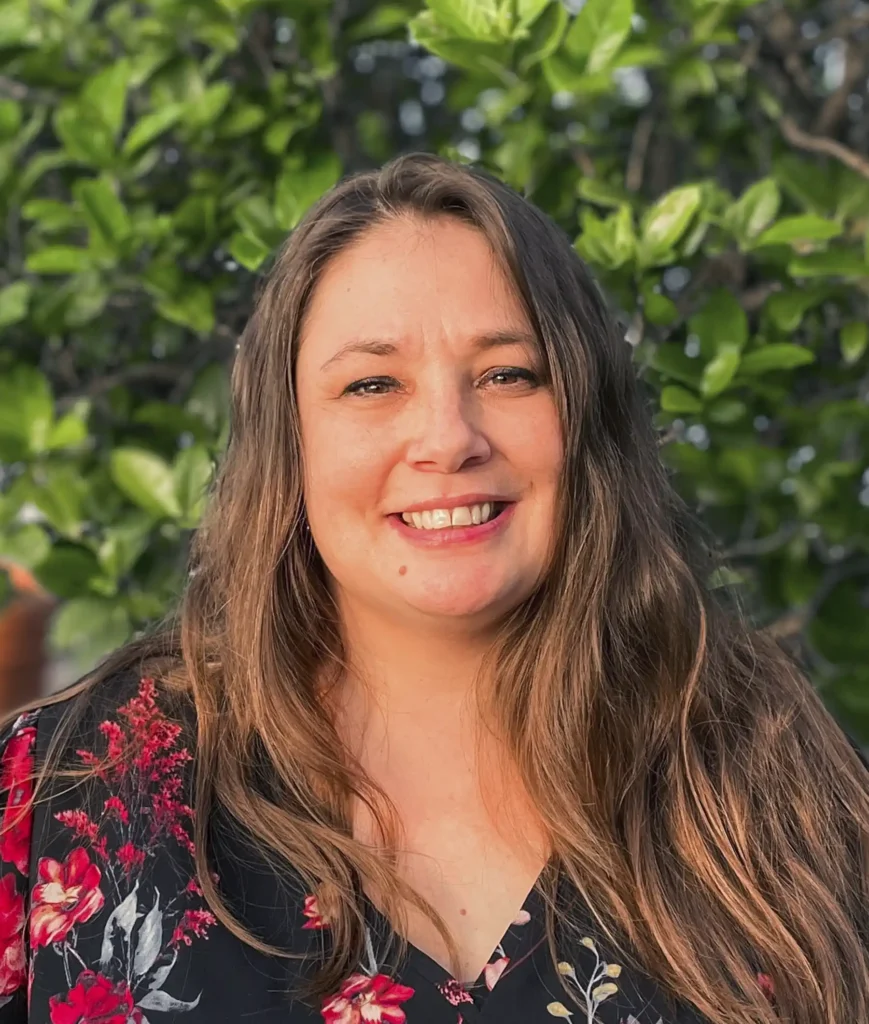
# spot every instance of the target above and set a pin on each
(459, 502)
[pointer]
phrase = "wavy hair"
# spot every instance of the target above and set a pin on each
(699, 800)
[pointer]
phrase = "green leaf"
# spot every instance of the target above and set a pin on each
(67, 571)
(726, 410)
(721, 324)
(469, 19)
(27, 546)
(671, 361)
(852, 341)
(754, 210)
(777, 356)
(10, 119)
(382, 21)
(192, 472)
(666, 221)
(255, 218)
(151, 127)
(481, 57)
(95, 625)
(106, 93)
(14, 302)
(298, 188)
(250, 252)
(786, 309)
(68, 432)
(104, 210)
(807, 227)
(598, 32)
(122, 545)
(242, 120)
(544, 36)
(209, 397)
(719, 372)
(84, 135)
(88, 299)
(601, 192)
(26, 406)
(59, 259)
(691, 77)
(677, 399)
(147, 480)
(528, 11)
(207, 108)
(60, 495)
(833, 262)
(16, 27)
(51, 214)
(277, 136)
(853, 197)
(808, 184)
(193, 308)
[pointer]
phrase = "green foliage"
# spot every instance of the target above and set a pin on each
(703, 156)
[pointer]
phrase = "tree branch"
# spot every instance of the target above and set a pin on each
(751, 548)
(794, 622)
(822, 144)
(637, 156)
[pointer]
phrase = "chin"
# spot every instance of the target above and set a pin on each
(471, 603)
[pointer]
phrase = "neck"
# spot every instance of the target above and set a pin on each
(406, 667)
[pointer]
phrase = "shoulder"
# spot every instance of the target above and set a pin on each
(109, 715)
(97, 848)
(110, 761)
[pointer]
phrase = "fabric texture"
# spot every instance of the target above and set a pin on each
(103, 920)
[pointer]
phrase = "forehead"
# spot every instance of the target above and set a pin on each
(409, 275)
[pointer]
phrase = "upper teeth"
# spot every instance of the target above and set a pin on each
(441, 518)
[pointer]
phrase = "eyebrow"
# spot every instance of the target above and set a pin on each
(482, 342)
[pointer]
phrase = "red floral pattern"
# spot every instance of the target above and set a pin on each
(367, 999)
(16, 769)
(311, 910)
(121, 968)
(12, 955)
(766, 986)
(95, 1000)
(143, 768)
(67, 894)
(454, 992)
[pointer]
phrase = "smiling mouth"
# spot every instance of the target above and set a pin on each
(451, 518)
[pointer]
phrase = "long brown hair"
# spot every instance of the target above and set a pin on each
(698, 797)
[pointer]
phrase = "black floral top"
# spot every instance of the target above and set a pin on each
(103, 921)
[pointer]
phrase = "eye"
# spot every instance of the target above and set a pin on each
(370, 386)
(512, 377)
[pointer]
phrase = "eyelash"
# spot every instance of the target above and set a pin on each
(358, 386)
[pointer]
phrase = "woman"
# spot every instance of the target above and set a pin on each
(450, 728)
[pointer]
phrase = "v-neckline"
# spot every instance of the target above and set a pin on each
(517, 941)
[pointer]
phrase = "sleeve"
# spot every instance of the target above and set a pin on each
(16, 791)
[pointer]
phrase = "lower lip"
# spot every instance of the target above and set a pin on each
(452, 535)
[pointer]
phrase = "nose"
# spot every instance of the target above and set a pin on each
(446, 434)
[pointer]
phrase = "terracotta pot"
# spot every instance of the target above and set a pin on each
(24, 623)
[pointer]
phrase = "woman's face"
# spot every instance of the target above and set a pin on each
(432, 449)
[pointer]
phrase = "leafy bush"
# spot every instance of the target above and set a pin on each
(703, 153)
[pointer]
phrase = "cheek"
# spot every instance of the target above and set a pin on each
(535, 445)
(344, 469)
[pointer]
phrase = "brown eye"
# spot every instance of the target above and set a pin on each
(511, 377)
(370, 386)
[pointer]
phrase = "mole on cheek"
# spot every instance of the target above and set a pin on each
(402, 569)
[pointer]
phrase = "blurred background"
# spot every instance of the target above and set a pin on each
(707, 156)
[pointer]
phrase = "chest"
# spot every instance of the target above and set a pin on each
(473, 859)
